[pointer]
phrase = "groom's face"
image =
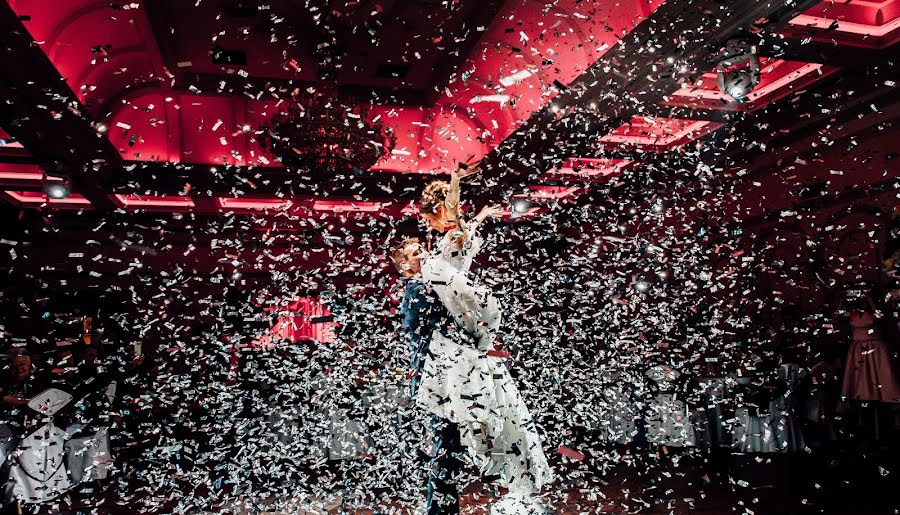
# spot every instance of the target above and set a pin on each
(413, 253)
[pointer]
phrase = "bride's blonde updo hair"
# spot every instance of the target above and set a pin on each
(433, 197)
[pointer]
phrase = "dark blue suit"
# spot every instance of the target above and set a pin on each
(422, 313)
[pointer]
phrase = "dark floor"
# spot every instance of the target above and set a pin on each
(850, 471)
(853, 479)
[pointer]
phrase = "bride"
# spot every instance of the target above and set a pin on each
(470, 385)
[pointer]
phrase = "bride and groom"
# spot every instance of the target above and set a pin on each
(459, 375)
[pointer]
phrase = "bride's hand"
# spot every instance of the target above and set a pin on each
(467, 168)
(487, 212)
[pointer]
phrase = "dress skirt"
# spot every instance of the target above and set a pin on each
(468, 387)
(869, 375)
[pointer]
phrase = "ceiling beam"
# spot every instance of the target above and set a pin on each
(631, 79)
(42, 113)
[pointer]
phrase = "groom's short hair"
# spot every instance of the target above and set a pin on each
(398, 253)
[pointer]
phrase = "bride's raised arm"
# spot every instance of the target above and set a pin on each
(463, 170)
(452, 200)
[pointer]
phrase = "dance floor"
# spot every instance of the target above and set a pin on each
(839, 482)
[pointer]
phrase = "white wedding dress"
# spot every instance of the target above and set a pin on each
(463, 384)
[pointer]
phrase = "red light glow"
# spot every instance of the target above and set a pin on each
(340, 206)
(249, 205)
(37, 199)
(590, 170)
(658, 134)
(148, 202)
(863, 23)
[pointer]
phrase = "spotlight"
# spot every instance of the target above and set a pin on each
(521, 206)
(657, 208)
(737, 91)
(738, 70)
(641, 286)
(738, 83)
(57, 190)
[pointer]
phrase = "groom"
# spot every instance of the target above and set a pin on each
(422, 314)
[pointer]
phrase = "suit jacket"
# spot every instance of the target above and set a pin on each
(423, 313)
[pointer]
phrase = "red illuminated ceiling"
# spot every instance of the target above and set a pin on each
(15, 174)
(544, 193)
(657, 134)
(38, 199)
(176, 204)
(589, 170)
(124, 80)
(304, 207)
(864, 23)
(252, 205)
(145, 73)
(777, 79)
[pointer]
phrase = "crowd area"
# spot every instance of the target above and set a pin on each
(65, 410)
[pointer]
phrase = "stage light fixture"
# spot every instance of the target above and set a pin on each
(521, 206)
(57, 190)
(56, 183)
(738, 70)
